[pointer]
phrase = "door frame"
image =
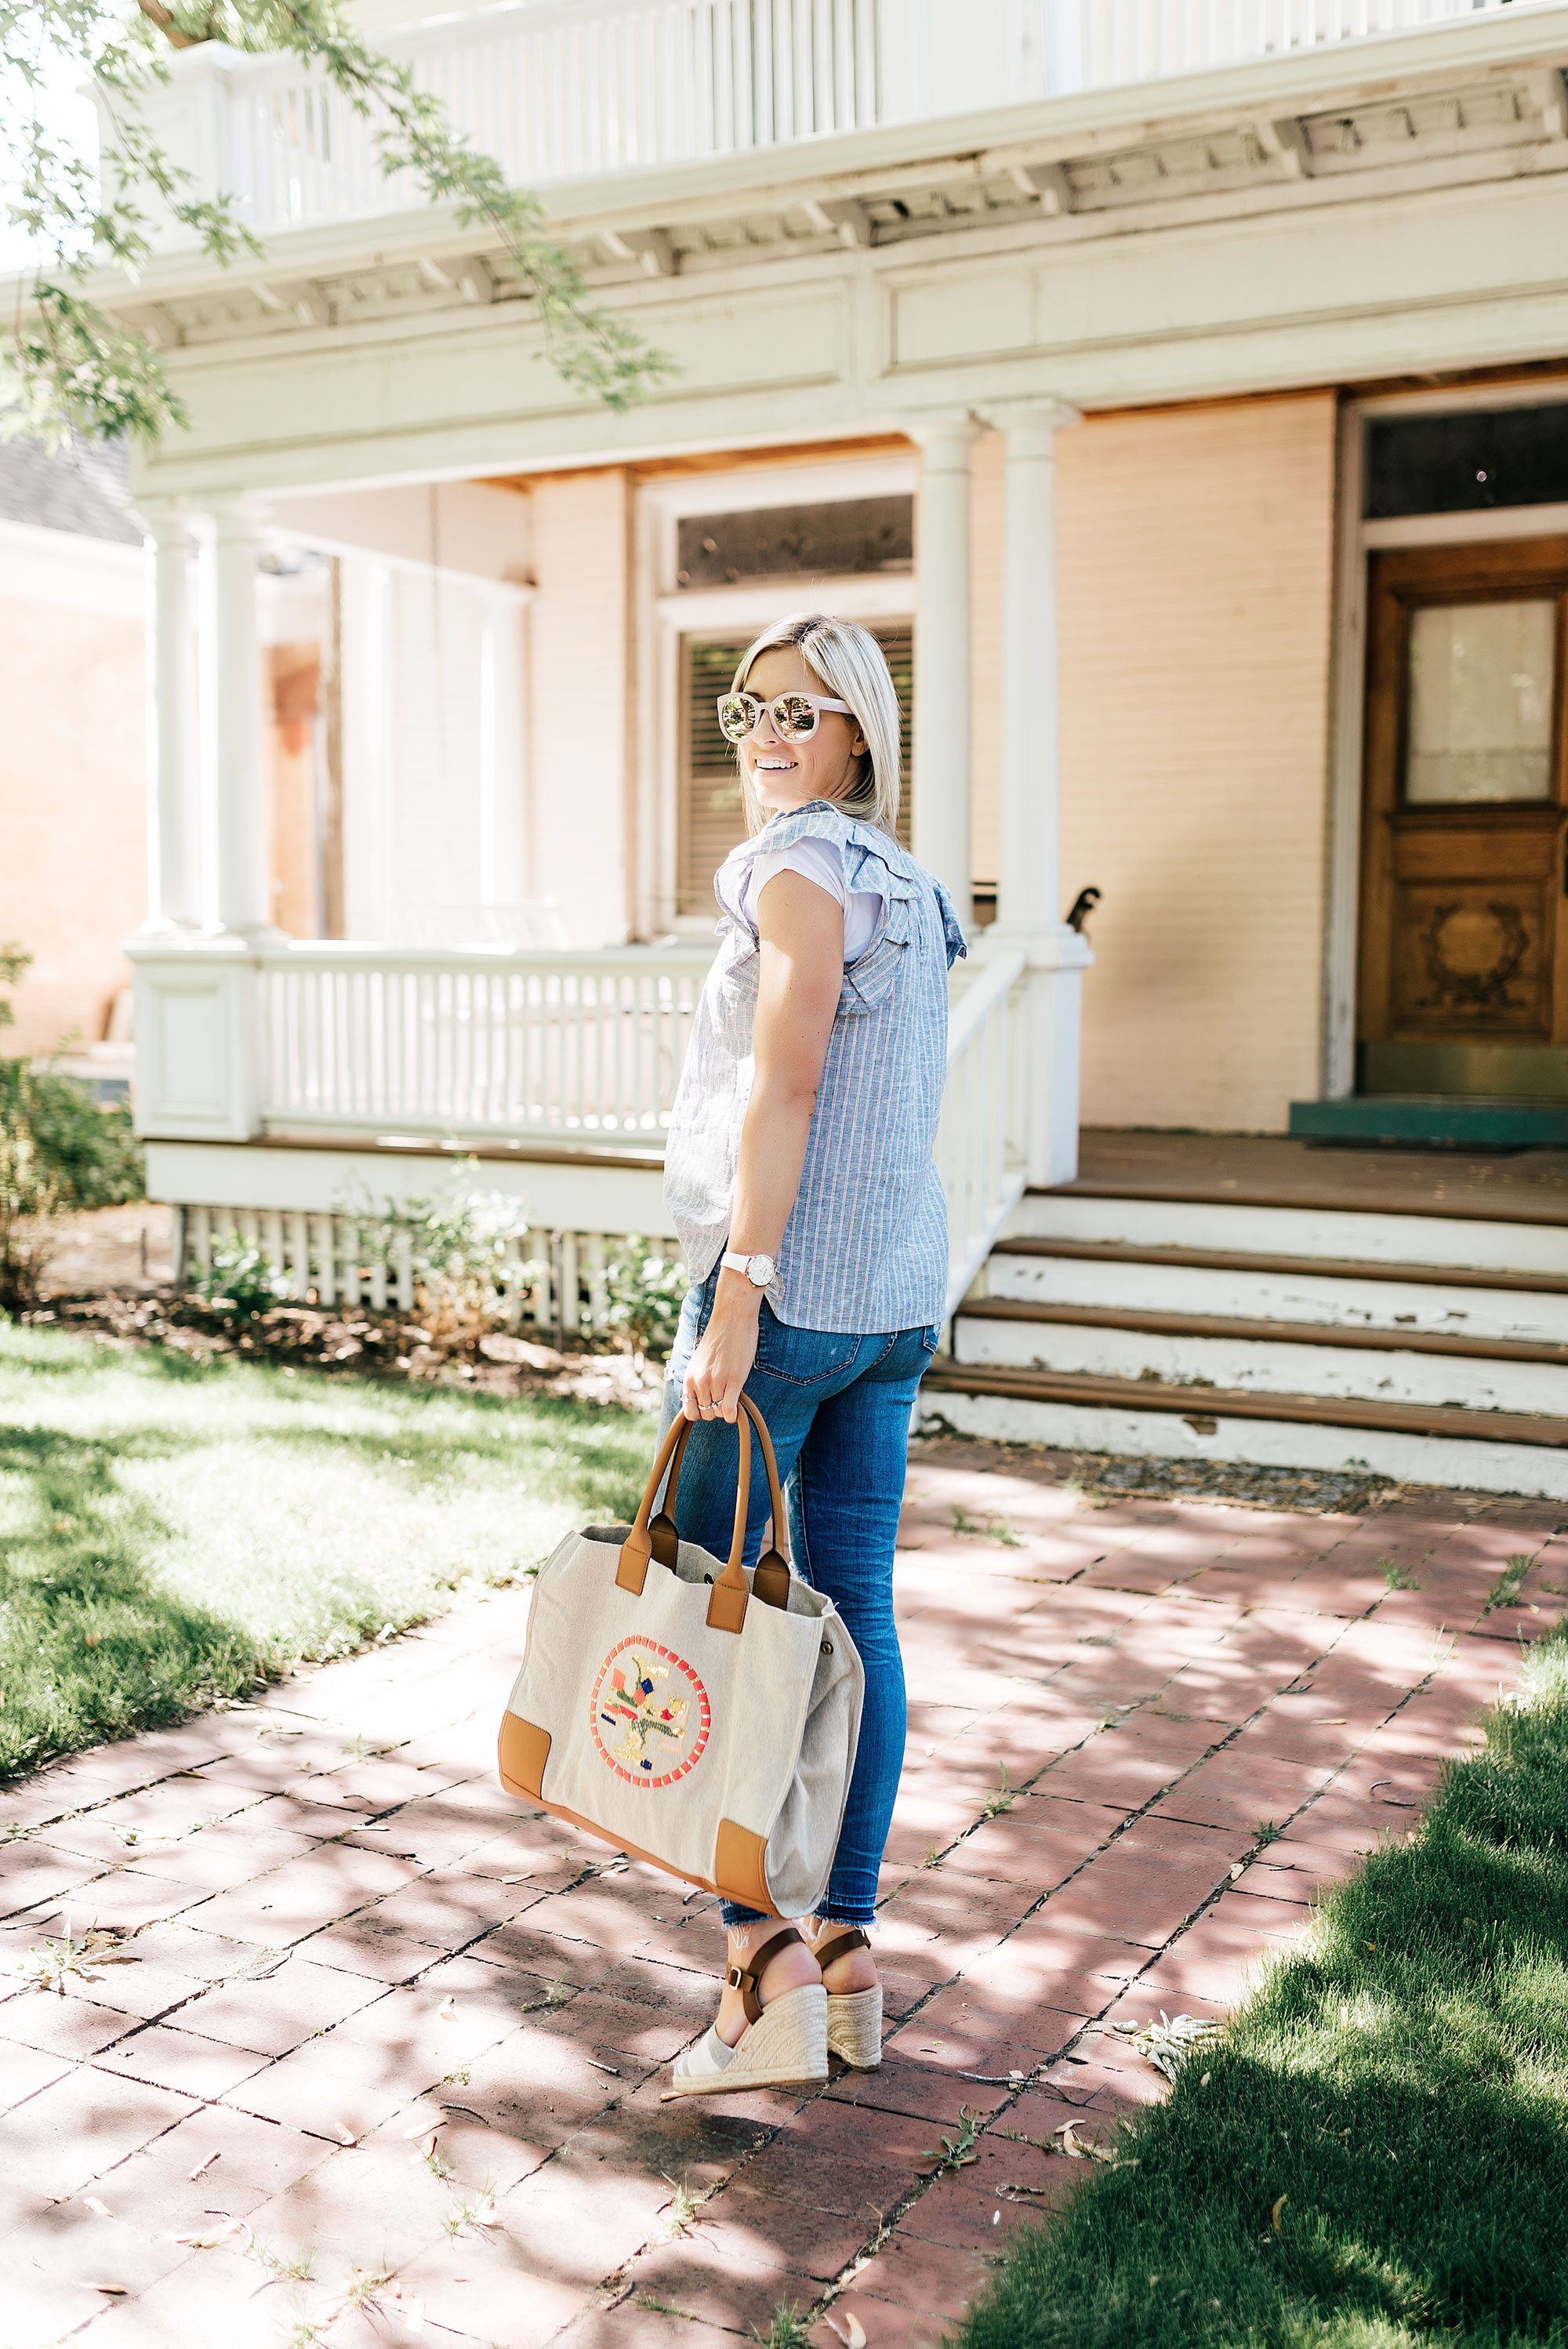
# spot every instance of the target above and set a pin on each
(1355, 541)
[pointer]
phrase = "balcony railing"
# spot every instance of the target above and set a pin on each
(566, 89)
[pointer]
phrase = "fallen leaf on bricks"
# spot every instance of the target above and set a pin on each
(91, 2202)
(202, 2167)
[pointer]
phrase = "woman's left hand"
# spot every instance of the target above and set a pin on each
(725, 1353)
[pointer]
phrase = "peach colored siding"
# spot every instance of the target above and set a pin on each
(1196, 594)
(73, 812)
(576, 702)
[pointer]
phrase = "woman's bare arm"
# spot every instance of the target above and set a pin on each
(802, 929)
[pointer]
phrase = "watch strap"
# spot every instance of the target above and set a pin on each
(734, 1263)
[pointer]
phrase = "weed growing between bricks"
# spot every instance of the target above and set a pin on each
(1375, 2153)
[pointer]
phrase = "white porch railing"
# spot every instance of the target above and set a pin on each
(369, 1043)
(564, 89)
(420, 1040)
(979, 1147)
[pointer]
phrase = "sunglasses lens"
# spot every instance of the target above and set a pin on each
(794, 719)
(736, 715)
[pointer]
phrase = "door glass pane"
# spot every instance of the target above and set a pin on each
(1482, 695)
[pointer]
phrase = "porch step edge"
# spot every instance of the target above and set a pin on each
(1435, 1275)
(1358, 1336)
(1211, 1404)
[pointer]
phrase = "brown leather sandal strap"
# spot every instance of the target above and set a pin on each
(827, 1953)
(748, 1979)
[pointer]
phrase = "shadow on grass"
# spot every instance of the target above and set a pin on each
(1403, 2087)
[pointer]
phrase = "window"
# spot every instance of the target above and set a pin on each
(711, 822)
(845, 536)
(1466, 462)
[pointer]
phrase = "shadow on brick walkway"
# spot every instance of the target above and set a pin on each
(382, 2065)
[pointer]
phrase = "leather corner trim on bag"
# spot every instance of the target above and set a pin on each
(521, 1751)
(740, 1866)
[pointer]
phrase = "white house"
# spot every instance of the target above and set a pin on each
(1181, 389)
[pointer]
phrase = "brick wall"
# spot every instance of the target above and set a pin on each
(576, 704)
(1196, 550)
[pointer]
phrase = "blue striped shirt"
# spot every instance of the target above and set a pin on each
(865, 1247)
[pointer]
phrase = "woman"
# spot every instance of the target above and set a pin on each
(799, 1173)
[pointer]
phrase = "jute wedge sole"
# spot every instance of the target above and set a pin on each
(854, 2027)
(786, 2047)
(854, 2017)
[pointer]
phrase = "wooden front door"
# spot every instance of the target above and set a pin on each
(1464, 896)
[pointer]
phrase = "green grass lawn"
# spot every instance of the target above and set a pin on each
(1404, 2087)
(169, 1531)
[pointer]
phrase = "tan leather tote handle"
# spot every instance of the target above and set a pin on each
(726, 1603)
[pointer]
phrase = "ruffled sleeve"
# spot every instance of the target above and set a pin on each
(952, 929)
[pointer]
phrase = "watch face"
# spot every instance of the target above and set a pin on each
(761, 1270)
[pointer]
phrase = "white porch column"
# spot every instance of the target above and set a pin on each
(1028, 882)
(941, 789)
(231, 727)
(173, 781)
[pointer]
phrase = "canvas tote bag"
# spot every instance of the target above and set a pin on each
(691, 1713)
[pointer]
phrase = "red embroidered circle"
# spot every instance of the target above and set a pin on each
(648, 1714)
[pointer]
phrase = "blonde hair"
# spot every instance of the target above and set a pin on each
(853, 669)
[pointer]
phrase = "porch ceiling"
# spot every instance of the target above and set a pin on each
(1322, 217)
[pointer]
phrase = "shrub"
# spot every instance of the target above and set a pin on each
(90, 1154)
(647, 1293)
(29, 1199)
(241, 1280)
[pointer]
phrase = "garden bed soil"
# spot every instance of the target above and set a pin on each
(392, 1345)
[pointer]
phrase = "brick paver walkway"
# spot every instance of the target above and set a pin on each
(375, 2025)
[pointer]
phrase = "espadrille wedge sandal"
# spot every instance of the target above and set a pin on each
(854, 2017)
(783, 2046)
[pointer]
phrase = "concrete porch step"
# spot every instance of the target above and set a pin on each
(1418, 1444)
(1257, 1357)
(1242, 1325)
(1444, 1420)
(1396, 1301)
(1535, 1250)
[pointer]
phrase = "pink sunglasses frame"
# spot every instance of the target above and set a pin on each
(819, 701)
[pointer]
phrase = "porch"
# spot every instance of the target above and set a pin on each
(1062, 412)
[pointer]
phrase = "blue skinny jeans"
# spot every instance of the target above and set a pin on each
(837, 1408)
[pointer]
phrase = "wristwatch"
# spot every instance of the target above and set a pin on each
(759, 1269)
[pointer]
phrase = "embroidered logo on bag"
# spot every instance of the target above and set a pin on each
(650, 1714)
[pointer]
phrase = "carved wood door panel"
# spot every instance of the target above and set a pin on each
(1464, 896)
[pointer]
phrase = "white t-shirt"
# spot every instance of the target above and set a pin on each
(740, 880)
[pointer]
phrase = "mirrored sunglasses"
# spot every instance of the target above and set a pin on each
(795, 716)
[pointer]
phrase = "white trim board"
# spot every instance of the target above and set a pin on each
(321, 1182)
